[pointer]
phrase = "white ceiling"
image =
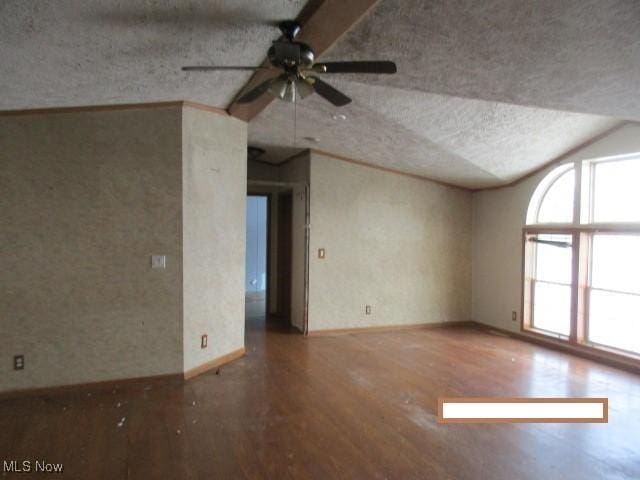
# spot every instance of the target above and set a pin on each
(481, 97)
(79, 52)
(470, 143)
(574, 55)
(483, 88)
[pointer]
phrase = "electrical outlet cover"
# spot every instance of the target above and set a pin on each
(18, 362)
(158, 261)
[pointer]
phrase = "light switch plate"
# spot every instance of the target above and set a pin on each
(321, 253)
(158, 261)
(367, 310)
(204, 340)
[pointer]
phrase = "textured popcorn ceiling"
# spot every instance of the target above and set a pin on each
(575, 55)
(483, 88)
(78, 52)
(471, 143)
(480, 98)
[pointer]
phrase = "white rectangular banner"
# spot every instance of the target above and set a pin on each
(522, 410)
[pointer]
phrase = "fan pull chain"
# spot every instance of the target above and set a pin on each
(295, 116)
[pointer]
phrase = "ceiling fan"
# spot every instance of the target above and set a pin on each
(297, 62)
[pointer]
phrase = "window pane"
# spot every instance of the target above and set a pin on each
(616, 193)
(616, 262)
(614, 320)
(552, 307)
(557, 204)
(553, 263)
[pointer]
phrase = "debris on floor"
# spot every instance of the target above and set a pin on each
(121, 422)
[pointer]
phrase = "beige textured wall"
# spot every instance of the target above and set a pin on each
(86, 198)
(498, 218)
(214, 180)
(399, 244)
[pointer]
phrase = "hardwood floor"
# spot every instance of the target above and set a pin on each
(349, 406)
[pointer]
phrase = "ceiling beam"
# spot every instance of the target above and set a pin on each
(323, 23)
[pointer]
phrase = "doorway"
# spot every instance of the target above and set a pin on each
(256, 258)
(276, 257)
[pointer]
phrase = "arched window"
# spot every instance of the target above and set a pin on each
(582, 256)
(552, 202)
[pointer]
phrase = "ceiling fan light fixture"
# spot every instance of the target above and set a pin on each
(284, 89)
(289, 94)
(304, 88)
(278, 88)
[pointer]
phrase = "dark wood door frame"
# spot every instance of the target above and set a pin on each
(285, 245)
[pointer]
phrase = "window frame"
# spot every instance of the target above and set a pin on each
(582, 231)
(587, 195)
(529, 269)
(544, 187)
(589, 288)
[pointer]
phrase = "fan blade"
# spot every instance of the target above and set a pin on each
(254, 93)
(204, 68)
(356, 67)
(329, 93)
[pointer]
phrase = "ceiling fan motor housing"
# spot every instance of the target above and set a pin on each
(291, 55)
(290, 29)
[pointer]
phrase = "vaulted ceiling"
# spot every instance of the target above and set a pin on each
(465, 142)
(486, 91)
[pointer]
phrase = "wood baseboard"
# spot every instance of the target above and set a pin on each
(176, 378)
(91, 386)
(216, 362)
(387, 328)
(603, 357)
